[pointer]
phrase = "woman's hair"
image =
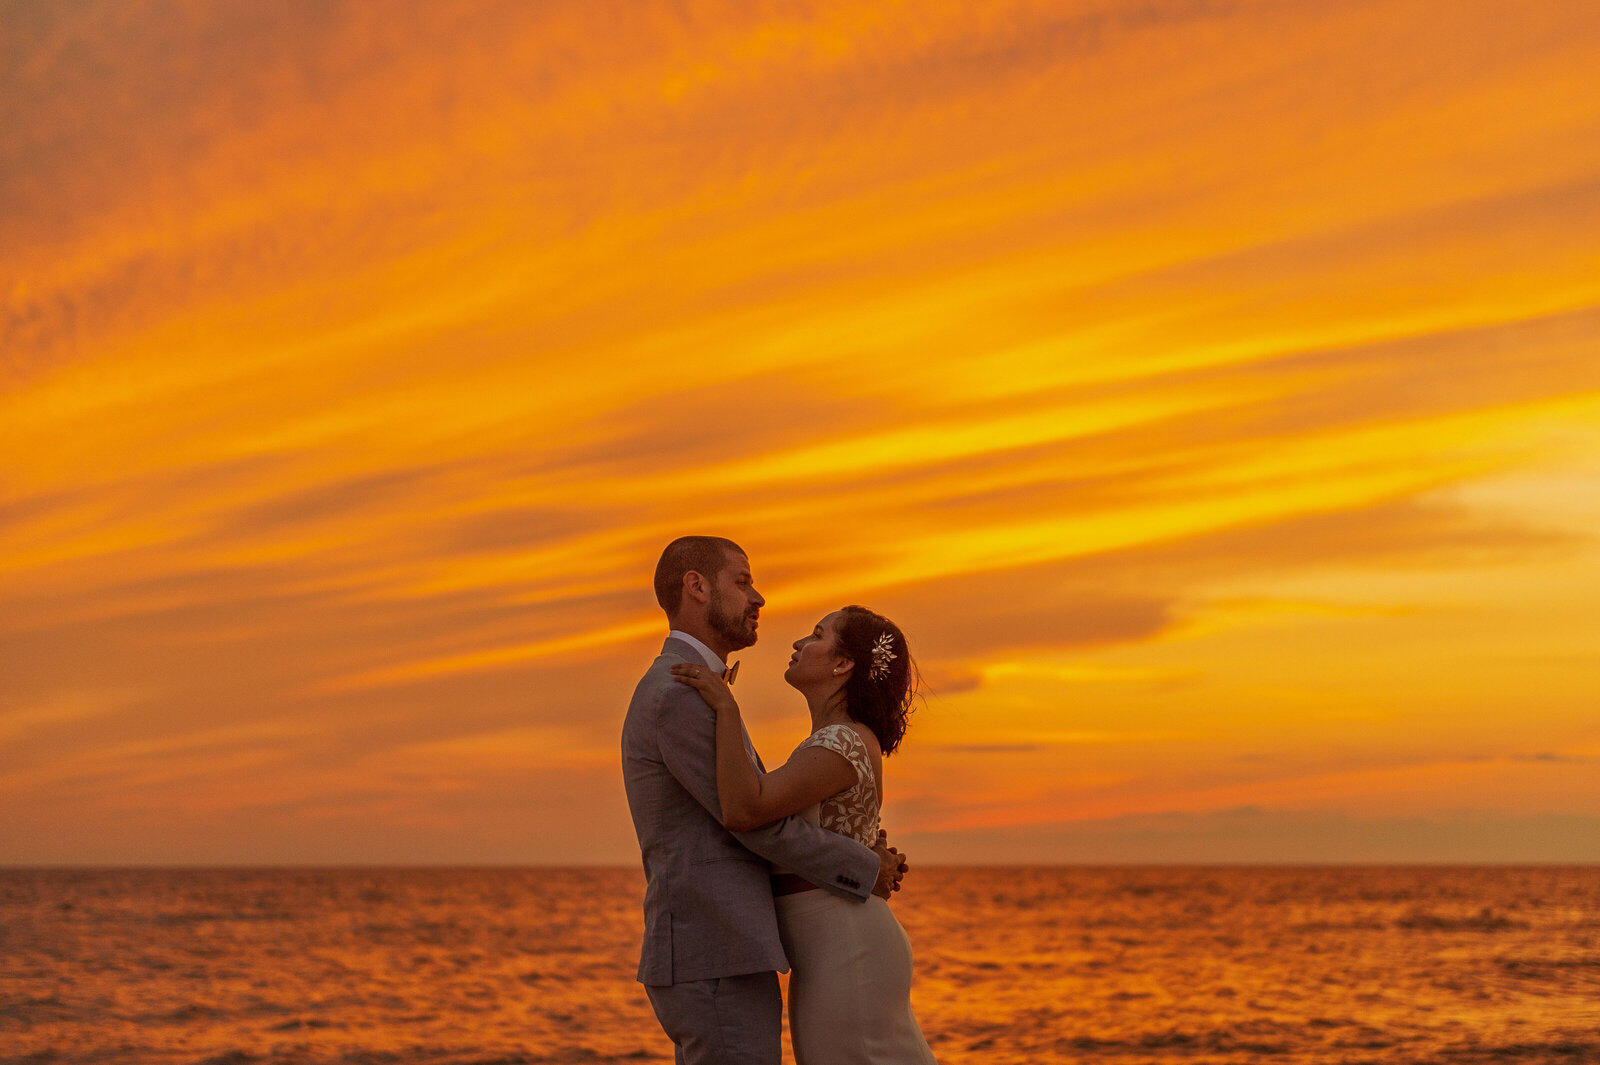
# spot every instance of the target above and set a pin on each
(883, 684)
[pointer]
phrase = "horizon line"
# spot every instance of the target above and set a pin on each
(595, 866)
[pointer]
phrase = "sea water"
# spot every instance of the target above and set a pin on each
(1013, 965)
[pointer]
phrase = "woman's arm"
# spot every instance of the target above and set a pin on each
(749, 799)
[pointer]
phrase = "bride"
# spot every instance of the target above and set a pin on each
(850, 981)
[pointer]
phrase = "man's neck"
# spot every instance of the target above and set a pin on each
(705, 646)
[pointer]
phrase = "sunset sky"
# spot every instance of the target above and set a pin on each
(1210, 390)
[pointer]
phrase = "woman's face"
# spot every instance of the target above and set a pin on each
(816, 660)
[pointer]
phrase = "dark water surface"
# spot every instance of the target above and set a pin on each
(1116, 965)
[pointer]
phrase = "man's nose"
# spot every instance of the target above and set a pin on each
(756, 597)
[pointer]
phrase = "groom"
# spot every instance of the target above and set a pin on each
(710, 932)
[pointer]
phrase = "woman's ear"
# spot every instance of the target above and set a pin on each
(842, 667)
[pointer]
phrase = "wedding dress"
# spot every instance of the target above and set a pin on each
(850, 962)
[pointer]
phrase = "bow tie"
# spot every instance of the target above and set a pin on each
(729, 673)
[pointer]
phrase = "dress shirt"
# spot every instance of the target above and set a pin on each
(713, 659)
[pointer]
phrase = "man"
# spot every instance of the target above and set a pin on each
(711, 935)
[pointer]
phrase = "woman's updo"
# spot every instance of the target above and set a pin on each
(881, 688)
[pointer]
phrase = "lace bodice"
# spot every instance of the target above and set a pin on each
(853, 812)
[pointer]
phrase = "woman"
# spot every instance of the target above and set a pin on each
(850, 980)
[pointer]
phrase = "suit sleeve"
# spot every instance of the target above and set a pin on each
(686, 734)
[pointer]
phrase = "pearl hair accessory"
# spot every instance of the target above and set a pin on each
(882, 656)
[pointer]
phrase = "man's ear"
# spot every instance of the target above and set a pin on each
(696, 587)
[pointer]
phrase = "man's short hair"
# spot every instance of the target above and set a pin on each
(705, 555)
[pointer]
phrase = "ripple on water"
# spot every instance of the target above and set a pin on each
(1037, 966)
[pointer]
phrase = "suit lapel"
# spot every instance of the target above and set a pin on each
(750, 749)
(678, 648)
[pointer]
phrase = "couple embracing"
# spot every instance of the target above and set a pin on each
(748, 871)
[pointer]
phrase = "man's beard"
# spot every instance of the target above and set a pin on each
(734, 628)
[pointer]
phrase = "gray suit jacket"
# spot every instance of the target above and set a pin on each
(708, 898)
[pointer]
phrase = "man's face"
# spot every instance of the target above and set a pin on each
(735, 603)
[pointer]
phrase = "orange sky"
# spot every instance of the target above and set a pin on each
(1211, 391)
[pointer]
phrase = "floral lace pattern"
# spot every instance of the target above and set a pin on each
(853, 812)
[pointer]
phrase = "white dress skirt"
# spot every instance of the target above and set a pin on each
(849, 982)
(849, 962)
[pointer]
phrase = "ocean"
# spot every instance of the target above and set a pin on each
(1014, 965)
